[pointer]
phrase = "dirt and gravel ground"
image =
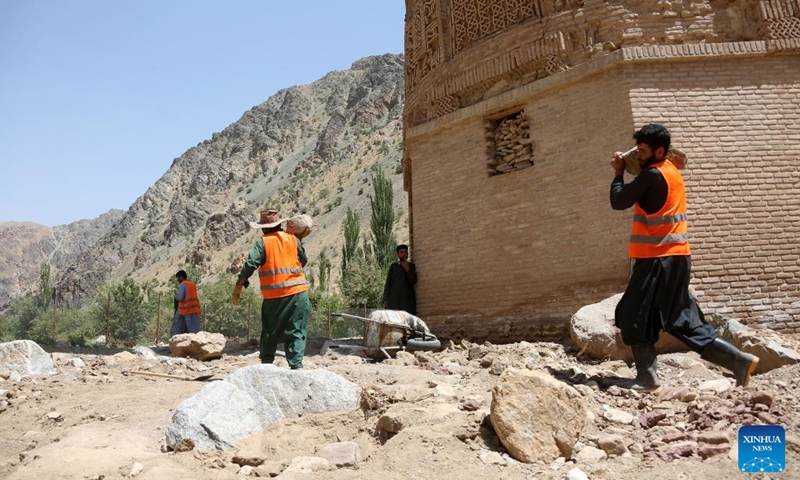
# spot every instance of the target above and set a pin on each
(97, 421)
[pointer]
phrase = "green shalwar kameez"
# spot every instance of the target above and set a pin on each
(283, 319)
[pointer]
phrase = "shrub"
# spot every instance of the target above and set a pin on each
(362, 285)
(44, 329)
(122, 308)
(21, 314)
(75, 327)
(220, 315)
(321, 306)
(6, 329)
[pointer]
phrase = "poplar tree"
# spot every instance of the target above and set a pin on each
(352, 229)
(324, 271)
(45, 286)
(382, 220)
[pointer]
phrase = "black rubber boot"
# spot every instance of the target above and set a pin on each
(722, 353)
(644, 355)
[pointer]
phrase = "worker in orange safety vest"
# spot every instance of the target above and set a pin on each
(658, 296)
(187, 307)
(279, 258)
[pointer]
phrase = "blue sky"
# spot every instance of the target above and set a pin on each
(98, 97)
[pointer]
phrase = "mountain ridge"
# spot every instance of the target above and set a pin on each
(306, 149)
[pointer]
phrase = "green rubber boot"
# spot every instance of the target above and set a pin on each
(722, 353)
(646, 381)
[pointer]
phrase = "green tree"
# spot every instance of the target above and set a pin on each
(45, 287)
(322, 305)
(22, 312)
(123, 306)
(34, 317)
(324, 269)
(382, 219)
(220, 315)
(45, 328)
(352, 231)
(6, 328)
(75, 327)
(363, 269)
(363, 285)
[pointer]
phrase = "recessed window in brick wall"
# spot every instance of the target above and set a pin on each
(508, 144)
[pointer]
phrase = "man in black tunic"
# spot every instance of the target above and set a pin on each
(398, 292)
(658, 296)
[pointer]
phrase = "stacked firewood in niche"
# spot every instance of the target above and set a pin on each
(508, 144)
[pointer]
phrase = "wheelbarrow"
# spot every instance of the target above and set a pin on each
(388, 331)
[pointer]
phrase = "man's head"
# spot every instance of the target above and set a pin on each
(180, 276)
(652, 142)
(402, 252)
(269, 221)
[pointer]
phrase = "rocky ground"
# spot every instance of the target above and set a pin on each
(422, 416)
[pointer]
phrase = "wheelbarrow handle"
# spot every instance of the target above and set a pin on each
(347, 315)
(174, 377)
(365, 319)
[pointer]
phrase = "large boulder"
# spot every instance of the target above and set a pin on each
(245, 402)
(200, 346)
(24, 357)
(772, 349)
(535, 416)
(594, 333)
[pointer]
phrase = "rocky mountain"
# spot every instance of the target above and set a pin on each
(307, 149)
(26, 246)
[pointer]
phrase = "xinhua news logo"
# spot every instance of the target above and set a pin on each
(762, 448)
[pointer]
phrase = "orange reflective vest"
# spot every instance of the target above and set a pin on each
(191, 304)
(664, 233)
(282, 273)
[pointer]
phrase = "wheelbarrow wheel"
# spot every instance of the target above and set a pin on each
(426, 345)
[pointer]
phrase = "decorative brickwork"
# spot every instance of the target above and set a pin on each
(474, 20)
(781, 17)
(509, 146)
(539, 56)
(423, 40)
(458, 51)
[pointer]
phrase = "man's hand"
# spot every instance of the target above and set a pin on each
(618, 164)
(385, 304)
(237, 290)
(406, 265)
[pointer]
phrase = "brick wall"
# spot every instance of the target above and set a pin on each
(513, 256)
(739, 122)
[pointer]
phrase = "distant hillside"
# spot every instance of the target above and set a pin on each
(27, 245)
(307, 149)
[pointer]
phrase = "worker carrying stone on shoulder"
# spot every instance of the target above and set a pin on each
(658, 295)
(279, 257)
